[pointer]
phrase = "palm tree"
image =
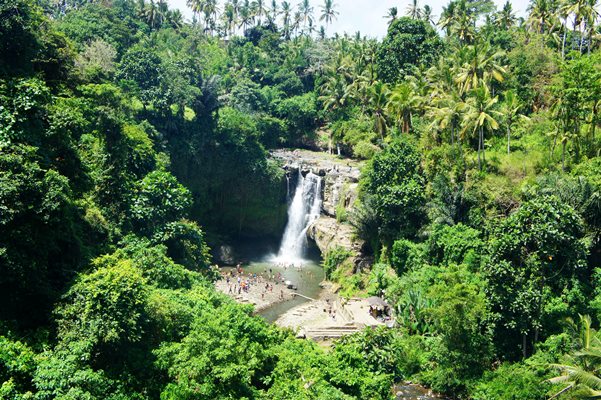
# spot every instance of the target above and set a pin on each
(441, 78)
(465, 28)
(328, 13)
(273, 12)
(246, 16)
(162, 12)
(505, 18)
(196, 6)
(140, 8)
(306, 13)
(590, 16)
(480, 116)
(151, 15)
(446, 114)
(567, 129)
(378, 101)
(392, 15)
(286, 14)
(259, 10)
(541, 15)
(175, 18)
(448, 18)
(510, 109)
(574, 8)
(210, 9)
(427, 15)
(479, 66)
(413, 10)
(360, 89)
(334, 96)
(402, 104)
(297, 21)
(229, 18)
(580, 370)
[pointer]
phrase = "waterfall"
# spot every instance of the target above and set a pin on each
(287, 187)
(303, 210)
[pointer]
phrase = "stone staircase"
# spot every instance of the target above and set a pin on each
(301, 311)
(331, 332)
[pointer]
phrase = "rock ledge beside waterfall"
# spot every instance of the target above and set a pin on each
(340, 191)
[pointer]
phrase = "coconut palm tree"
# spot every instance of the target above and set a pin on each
(334, 93)
(162, 12)
(590, 16)
(413, 10)
(446, 113)
(448, 18)
(273, 12)
(175, 18)
(465, 28)
(567, 129)
(427, 15)
(229, 18)
(151, 15)
(574, 9)
(334, 97)
(402, 104)
(505, 18)
(306, 12)
(210, 9)
(541, 15)
(510, 109)
(481, 65)
(259, 10)
(441, 78)
(392, 15)
(297, 22)
(286, 12)
(246, 17)
(196, 6)
(378, 101)
(328, 12)
(480, 116)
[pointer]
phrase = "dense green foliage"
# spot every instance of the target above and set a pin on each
(124, 129)
(410, 43)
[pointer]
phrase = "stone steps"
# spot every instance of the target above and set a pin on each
(332, 332)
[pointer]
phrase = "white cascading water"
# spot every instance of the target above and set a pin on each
(304, 209)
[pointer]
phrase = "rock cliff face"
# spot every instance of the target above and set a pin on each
(340, 190)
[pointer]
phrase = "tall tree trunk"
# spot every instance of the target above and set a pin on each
(563, 154)
(593, 127)
(524, 343)
(479, 149)
(508, 138)
(483, 149)
(563, 43)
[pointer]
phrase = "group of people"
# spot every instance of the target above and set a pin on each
(286, 265)
(238, 282)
